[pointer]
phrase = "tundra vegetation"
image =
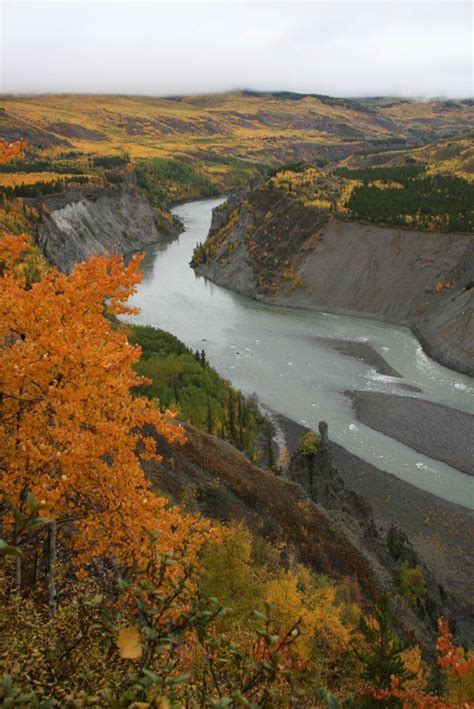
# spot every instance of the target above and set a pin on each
(110, 595)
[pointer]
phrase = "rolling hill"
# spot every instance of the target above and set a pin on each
(227, 137)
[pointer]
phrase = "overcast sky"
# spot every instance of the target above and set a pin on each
(161, 48)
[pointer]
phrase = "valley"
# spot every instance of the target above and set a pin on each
(302, 377)
(307, 271)
(310, 367)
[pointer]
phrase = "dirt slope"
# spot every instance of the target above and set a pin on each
(333, 533)
(272, 248)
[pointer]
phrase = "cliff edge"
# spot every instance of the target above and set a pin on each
(273, 248)
(77, 224)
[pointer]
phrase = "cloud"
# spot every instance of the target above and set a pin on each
(161, 48)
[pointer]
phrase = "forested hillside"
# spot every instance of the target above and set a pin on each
(186, 383)
(113, 595)
(409, 197)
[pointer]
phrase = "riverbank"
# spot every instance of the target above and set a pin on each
(432, 429)
(271, 248)
(428, 331)
(440, 531)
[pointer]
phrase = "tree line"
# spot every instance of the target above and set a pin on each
(36, 189)
(185, 381)
(438, 202)
(58, 167)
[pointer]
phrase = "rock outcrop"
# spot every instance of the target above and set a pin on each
(272, 248)
(330, 529)
(354, 517)
(78, 224)
(447, 334)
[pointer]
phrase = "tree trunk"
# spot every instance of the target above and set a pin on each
(17, 565)
(52, 593)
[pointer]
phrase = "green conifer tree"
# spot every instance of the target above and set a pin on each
(381, 658)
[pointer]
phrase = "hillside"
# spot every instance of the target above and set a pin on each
(333, 533)
(227, 137)
(291, 242)
(454, 155)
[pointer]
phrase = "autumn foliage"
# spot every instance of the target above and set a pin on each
(143, 623)
(69, 426)
(11, 151)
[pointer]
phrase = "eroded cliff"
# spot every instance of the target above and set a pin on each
(78, 224)
(271, 247)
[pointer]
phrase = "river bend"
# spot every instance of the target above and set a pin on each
(285, 356)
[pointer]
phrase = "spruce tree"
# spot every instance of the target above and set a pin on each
(231, 415)
(270, 456)
(381, 658)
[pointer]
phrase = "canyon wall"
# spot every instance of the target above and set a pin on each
(273, 249)
(78, 224)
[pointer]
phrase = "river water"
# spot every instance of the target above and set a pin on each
(281, 355)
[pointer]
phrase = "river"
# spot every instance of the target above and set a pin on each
(283, 356)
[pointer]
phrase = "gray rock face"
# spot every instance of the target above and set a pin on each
(78, 224)
(391, 274)
(448, 333)
(415, 278)
(237, 274)
(381, 271)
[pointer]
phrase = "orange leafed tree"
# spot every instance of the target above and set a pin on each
(459, 668)
(69, 426)
(11, 151)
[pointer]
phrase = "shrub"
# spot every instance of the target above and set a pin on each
(411, 582)
(309, 444)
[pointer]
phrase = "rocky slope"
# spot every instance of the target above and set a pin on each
(269, 246)
(77, 224)
(439, 532)
(328, 527)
